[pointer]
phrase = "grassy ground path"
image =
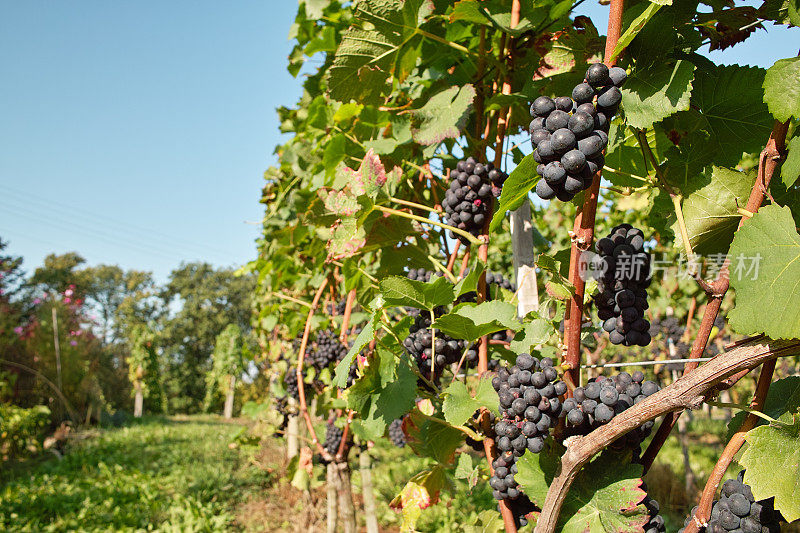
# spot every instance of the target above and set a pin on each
(166, 474)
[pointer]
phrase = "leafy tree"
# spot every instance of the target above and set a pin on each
(228, 365)
(207, 300)
(144, 371)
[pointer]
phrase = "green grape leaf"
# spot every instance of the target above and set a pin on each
(442, 116)
(459, 405)
(488, 521)
(363, 338)
(399, 291)
(466, 469)
(515, 189)
(782, 89)
(469, 283)
(368, 56)
(652, 94)
(432, 438)
(711, 212)
(790, 170)
(730, 99)
(605, 496)
(636, 26)
(472, 321)
(386, 391)
(772, 461)
(783, 398)
(498, 15)
(537, 331)
(624, 153)
(764, 271)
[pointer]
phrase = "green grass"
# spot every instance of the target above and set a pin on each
(159, 474)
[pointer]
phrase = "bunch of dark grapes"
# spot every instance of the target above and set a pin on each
(667, 334)
(420, 344)
(396, 434)
(504, 487)
(290, 382)
(333, 438)
(529, 404)
(622, 297)
(326, 351)
(655, 524)
(466, 204)
(337, 309)
(420, 274)
(602, 399)
(570, 134)
(737, 510)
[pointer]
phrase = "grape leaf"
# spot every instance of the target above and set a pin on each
(772, 461)
(652, 94)
(401, 291)
(347, 238)
(418, 494)
(465, 469)
(443, 115)
(367, 57)
(498, 15)
(537, 331)
(624, 153)
(605, 496)
(471, 321)
(469, 283)
(782, 89)
(711, 212)
(384, 393)
(636, 26)
(765, 271)
(459, 406)
(783, 398)
(790, 170)
(432, 438)
(730, 100)
(363, 338)
(515, 189)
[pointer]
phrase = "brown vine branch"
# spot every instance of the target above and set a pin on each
(734, 445)
(767, 164)
(506, 49)
(300, 384)
(583, 231)
(688, 392)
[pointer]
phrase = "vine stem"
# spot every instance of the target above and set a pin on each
(506, 49)
(731, 449)
(415, 205)
(451, 261)
(747, 409)
(688, 392)
(767, 164)
(348, 310)
(290, 299)
(418, 218)
(300, 384)
(583, 232)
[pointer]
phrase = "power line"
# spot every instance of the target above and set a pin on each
(93, 233)
(650, 363)
(166, 250)
(139, 231)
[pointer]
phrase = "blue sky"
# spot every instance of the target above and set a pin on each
(137, 133)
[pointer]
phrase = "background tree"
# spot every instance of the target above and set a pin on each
(228, 365)
(143, 369)
(207, 300)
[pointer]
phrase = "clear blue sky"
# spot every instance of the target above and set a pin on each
(137, 133)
